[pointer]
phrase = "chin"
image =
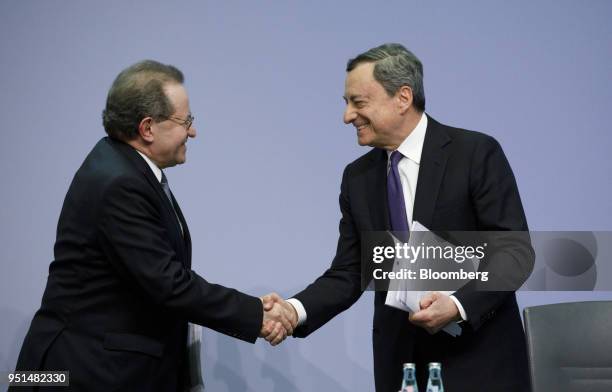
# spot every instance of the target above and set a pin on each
(180, 160)
(365, 142)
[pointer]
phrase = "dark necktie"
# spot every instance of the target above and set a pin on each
(166, 188)
(395, 198)
(194, 334)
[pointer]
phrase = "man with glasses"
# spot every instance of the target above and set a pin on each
(120, 292)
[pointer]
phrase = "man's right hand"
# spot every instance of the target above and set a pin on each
(280, 319)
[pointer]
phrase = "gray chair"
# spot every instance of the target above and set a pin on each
(570, 346)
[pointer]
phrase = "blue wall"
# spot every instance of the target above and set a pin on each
(262, 179)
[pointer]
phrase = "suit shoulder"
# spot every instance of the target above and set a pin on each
(466, 141)
(104, 165)
(366, 161)
(468, 136)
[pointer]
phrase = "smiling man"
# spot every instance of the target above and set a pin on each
(370, 109)
(121, 290)
(446, 179)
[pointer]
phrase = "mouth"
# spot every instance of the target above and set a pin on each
(361, 127)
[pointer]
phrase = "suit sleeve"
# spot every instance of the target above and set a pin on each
(499, 212)
(340, 286)
(136, 244)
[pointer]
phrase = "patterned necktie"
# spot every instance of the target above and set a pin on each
(166, 188)
(395, 198)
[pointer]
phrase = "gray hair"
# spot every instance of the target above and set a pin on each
(136, 93)
(394, 67)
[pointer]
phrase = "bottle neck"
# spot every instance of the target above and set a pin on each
(434, 374)
(409, 377)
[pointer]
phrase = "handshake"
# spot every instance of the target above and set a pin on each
(279, 319)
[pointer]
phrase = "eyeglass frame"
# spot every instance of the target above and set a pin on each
(187, 123)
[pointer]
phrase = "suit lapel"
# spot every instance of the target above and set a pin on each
(131, 154)
(431, 172)
(376, 178)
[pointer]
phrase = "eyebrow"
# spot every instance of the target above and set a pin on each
(353, 98)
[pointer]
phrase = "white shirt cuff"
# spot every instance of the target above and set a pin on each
(299, 309)
(460, 307)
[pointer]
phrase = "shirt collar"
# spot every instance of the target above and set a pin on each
(412, 146)
(156, 170)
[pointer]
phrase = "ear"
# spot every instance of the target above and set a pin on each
(144, 129)
(404, 96)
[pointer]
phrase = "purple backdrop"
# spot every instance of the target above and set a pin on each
(265, 81)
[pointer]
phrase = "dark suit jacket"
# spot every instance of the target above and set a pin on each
(121, 290)
(464, 183)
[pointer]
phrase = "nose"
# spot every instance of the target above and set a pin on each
(191, 132)
(349, 114)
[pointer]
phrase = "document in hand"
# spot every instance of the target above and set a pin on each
(404, 297)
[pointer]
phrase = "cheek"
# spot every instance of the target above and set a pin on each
(383, 122)
(375, 122)
(177, 140)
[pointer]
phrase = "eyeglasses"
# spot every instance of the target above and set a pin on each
(187, 123)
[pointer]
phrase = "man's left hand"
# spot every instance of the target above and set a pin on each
(437, 310)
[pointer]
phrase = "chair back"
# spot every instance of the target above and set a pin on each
(570, 346)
